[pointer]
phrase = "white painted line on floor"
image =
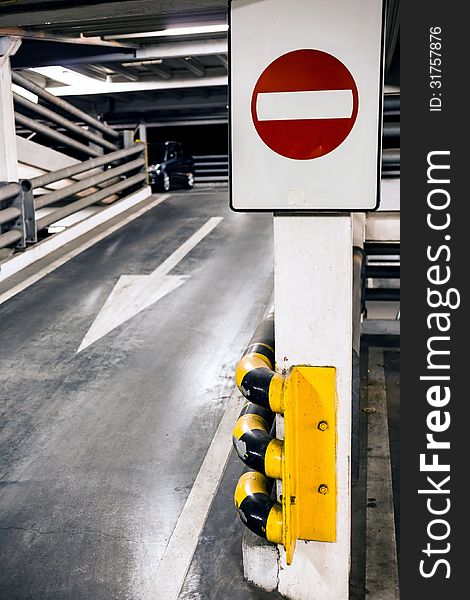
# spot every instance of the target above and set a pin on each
(176, 560)
(134, 293)
(171, 262)
(314, 104)
(58, 242)
(381, 547)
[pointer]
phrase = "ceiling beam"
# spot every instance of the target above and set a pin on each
(183, 49)
(161, 70)
(158, 105)
(222, 58)
(202, 29)
(26, 34)
(89, 71)
(194, 121)
(116, 87)
(127, 72)
(49, 56)
(193, 65)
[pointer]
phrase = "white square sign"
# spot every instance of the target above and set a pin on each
(306, 88)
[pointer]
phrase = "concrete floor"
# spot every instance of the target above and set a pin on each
(99, 449)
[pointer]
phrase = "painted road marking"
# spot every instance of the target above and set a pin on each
(134, 293)
(176, 560)
(381, 550)
(320, 104)
(60, 239)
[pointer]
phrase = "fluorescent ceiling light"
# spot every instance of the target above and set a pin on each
(176, 31)
(64, 75)
(22, 92)
(142, 63)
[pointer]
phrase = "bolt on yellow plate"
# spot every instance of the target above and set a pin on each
(309, 470)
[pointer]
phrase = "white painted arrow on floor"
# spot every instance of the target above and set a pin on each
(134, 293)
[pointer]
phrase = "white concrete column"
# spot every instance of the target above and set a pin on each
(143, 132)
(359, 229)
(8, 154)
(128, 137)
(313, 325)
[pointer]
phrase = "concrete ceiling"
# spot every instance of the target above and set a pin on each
(124, 60)
(94, 18)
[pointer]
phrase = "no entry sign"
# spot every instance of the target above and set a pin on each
(305, 104)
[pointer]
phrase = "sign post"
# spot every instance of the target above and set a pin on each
(305, 125)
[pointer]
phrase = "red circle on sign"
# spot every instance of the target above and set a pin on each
(304, 71)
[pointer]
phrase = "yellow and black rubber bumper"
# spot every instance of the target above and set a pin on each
(258, 511)
(255, 375)
(255, 446)
(305, 461)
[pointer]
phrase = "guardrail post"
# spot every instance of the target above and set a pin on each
(13, 213)
(29, 213)
(20, 223)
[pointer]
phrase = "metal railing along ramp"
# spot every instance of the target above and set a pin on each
(211, 168)
(107, 165)
(56, 120)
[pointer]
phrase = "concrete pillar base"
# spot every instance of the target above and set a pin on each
(260, 562)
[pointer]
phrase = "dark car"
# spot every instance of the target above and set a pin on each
(172, 168)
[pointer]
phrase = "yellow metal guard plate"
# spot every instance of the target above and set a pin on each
(309, 474)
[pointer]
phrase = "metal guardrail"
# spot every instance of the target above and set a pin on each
(382, 271)
(61, 213)
(19, 224)
(50, 115)
(391, 136)
(382, 248)
(392, 104)
(383, 294)
(108, 168)
(67, 172)
(64, 106)
(52, 134)
(10, 237)
(90, 142)
(9, 214)
(88, 182)
(10, 190)
(211, 168)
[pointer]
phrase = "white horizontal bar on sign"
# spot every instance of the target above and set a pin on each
(314, 104)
